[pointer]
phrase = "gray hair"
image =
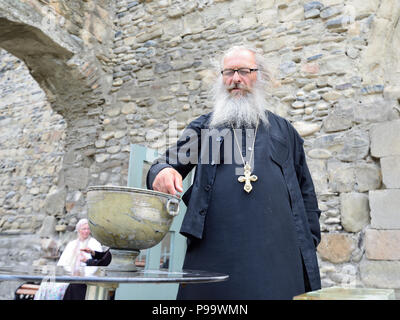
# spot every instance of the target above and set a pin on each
(80, 224)
(263, 72)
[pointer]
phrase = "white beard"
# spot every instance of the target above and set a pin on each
(238, 110)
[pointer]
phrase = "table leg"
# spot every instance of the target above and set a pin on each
(99, 291)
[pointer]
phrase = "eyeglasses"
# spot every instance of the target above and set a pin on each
(242, 72)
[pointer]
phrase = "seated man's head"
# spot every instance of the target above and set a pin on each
(239, 93)
(83, 229)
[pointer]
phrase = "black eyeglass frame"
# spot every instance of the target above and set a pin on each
(237, 70)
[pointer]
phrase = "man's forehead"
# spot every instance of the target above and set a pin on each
(240, 55)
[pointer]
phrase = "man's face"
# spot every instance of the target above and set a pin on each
(239, 84)
(84, 232)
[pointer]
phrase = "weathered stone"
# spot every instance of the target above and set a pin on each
(355, 146)
(298, 104)
(336, 247)
(367, 177)
(77, 178)
(149, 35)
(377, 110)
(382, 244)
(113, 149)
(340, 22)
(339, 119)
(352, 52)
(100, 158)
(363, 8)
(354, 210)
(306, 128)
(175, 12)
(319, 153)
(274, 44)
(152, 135)
(287, 68)
(313, 13)
(48, 227)
(308, 110)
(335, 64)
(55, 202)
(319, 176)
(331, 96)
(290, 13)
(380, 274)
(385, 139)
(100, 143)
(61, 228)
(341, 176)
(391, 171)
(48, 244)
(361, 177)
(313, 5)
(385, 206)
(329, 12)
(162, 68)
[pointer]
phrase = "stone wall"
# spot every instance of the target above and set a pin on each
(335, 67)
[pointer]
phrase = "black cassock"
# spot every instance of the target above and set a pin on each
(249, 236)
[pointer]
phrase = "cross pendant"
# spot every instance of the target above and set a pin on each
(247, 178)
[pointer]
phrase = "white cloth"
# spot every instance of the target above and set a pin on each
(70, 258)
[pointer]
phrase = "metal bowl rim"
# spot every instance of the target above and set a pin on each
(131, 190)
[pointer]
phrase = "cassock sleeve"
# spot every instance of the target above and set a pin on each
(307, 189)
(100, 259)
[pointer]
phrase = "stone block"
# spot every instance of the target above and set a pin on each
(340, 176)
(55, 202)
(339, 119)
(385, 208)
(336, 247)
(77, 178)
(48, 228)
(355, 146)
(378, 110)
(336, 64)
(347, 177)
(380, 274)
(318, 173)
(385, 139)
(354, 210)
(347, 146)
(306, 128)
(367, 177)
(290, 13)
(192, 24)
(382, 244)
(275, 43)
(363, 8)
(391, 171)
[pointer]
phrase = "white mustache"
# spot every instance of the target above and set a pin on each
(237, 86)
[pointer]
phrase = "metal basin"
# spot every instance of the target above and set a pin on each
(129, 220)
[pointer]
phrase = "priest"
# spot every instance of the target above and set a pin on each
(252, 211)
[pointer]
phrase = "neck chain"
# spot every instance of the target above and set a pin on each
(248, 177)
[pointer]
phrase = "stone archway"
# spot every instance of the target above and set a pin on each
(66, 48)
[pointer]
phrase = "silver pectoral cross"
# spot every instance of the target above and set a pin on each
(247, 178)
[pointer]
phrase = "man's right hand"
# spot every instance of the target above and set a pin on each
(168, 180)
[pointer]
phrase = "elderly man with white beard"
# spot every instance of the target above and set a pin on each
(252, 212)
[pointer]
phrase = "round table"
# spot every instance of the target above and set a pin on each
(101, 280)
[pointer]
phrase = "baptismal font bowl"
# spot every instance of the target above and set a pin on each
(129, 220)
